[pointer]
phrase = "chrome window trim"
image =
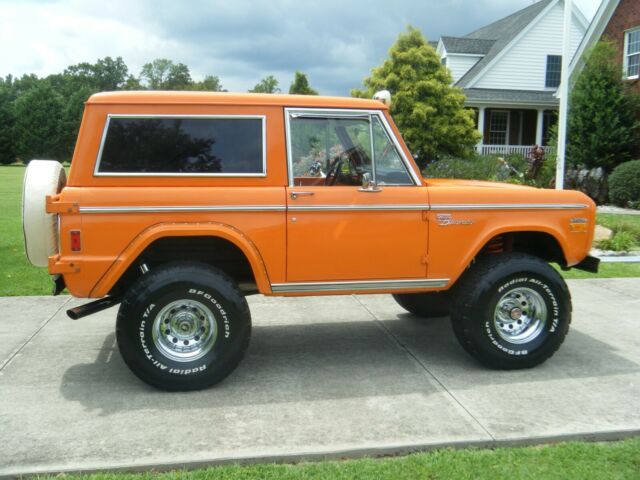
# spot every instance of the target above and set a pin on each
(363, 285)
(190, 208)
(263, 118)
(510, 206)
(297, 112)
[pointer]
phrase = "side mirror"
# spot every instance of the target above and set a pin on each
(383, 96)
(368, 185)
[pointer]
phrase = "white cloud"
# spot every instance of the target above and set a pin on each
(335, 42)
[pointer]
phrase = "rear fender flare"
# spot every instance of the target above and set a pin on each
(161, 230)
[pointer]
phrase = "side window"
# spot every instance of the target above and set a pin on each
(330, 151)
(186, 145)
(390, 170)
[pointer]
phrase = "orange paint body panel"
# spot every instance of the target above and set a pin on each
(327, 234)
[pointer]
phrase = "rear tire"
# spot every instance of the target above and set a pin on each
(184, 326)
(511, 311)
(425, 305)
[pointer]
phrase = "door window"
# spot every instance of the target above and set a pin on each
(339, 151)
(330, 151)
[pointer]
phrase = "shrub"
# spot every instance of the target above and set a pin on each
(624, 184)
(478, 167)
(621, 241)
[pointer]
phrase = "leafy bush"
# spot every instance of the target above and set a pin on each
(622, 241)
(624, 184)
(626, 236)
(479, 167)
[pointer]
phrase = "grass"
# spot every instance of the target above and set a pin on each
(18, 277)
(586, 461)
(626, 232)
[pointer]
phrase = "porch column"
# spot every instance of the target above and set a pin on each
(480, 129)
(539, 126)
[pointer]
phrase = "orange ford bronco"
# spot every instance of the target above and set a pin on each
(179, 204)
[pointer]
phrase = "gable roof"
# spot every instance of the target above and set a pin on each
(594, 32)
(471, 46)
(502, 32)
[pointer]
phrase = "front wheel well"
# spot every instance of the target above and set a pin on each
(214, 251)
(540, 244)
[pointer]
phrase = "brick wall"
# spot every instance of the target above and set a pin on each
(626, 16)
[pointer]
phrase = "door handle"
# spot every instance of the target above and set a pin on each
(295, 195)
(370, 189)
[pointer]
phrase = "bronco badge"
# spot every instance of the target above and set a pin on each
(445, 219)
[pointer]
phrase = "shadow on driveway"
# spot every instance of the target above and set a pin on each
(315, 362)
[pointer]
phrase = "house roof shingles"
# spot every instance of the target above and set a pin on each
(471, 46)
(501, 32)
(511, 97)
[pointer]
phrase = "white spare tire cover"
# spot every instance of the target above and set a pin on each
(42, 178)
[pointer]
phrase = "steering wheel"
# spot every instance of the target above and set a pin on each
(332, 173)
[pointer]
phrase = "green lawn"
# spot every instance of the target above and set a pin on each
(18, 277)
(584, 461)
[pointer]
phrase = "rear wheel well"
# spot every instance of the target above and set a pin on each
(540, 244)
(211, 250)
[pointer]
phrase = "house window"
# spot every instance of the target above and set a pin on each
(443, 61)
(498, 124)
(554, 68)
(632, 53)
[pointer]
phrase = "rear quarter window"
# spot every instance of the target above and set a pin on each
(156, 145)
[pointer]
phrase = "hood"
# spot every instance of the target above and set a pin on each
(452, 182)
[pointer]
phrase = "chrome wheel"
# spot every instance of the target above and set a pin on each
(520, 316)
(184, 330)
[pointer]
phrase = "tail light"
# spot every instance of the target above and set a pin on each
(76, 243)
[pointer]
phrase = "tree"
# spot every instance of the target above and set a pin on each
(268, 84)
(211, 83)
(429, 112)
(300, 85)
(105, 75)
(72, 111)
(37, 130)
(163, 74)
(602, 126)
(7, 122)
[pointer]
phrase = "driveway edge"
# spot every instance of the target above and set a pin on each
(372, 452)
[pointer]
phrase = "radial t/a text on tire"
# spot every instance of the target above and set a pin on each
(511, 311)
(183, 326)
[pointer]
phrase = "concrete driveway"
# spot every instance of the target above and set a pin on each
(328, 376)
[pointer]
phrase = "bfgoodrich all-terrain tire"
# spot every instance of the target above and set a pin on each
(183, 326)
(511, 311)
(425, 305)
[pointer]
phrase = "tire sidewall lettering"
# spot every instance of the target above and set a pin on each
(154, 358)
(553, 311)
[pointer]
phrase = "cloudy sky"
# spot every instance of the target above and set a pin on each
(336, 42)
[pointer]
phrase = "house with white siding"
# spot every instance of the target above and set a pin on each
(510, 71)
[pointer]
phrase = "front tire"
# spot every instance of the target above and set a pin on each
(511, 311)
(184, 326)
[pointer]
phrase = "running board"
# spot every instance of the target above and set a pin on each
(93, 307)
